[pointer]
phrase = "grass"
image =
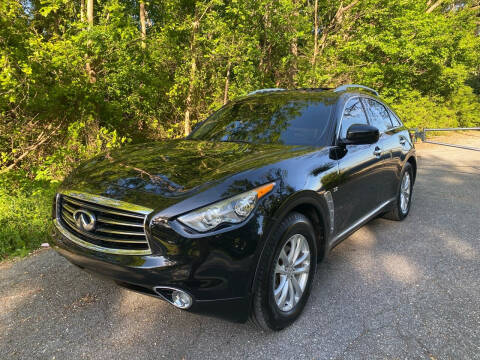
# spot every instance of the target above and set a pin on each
(25, 214)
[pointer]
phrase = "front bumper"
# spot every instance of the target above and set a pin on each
(215, 270)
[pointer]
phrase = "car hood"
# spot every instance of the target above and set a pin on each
(171, 171)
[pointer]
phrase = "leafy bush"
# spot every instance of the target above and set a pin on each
(25, 213)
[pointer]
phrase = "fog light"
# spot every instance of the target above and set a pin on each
(181, 299)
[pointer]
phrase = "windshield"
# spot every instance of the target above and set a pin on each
(272, 119)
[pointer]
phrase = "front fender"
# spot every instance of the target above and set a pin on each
(299, 201)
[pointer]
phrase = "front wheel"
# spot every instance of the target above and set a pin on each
(404, 197)
(286, 270)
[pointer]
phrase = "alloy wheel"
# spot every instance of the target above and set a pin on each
(405, 189)
(292, 269)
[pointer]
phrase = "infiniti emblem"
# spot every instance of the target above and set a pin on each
(84, 220)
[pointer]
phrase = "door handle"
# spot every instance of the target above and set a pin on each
(403, 141)
(377, 152)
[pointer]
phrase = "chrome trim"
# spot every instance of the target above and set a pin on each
(101, 238)
(105, 206)
(104, 220)
(105, 210)
(104, 201)
(361, 221)
(331, 209)
(80, 220)
(68, 208)
(91, 246)
(172, 288)
(57, 208)
(120, 232)
(118, 222)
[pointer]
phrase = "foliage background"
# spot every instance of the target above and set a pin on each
(72, 86)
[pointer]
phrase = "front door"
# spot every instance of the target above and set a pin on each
(360, 168)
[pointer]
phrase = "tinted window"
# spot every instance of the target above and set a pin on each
(378, 115)
(274, 119)
(353, 114)
(395, 120)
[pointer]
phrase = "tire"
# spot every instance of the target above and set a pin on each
(266, 313)
(399, 211)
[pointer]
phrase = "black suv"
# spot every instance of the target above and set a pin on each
(232, 220)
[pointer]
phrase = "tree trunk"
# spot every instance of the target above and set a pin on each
(227, 83)
(265, 46)
(294, 45)
(294, 71)
(187, 123)
(142, 23)
(193, 68)
(82, 11)
(434, 6)
(88, 67)
(335, 22)
(193, 71)
(90, 13)
(315, 44)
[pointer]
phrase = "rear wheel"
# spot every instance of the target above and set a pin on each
(286, 270)
(403, 201)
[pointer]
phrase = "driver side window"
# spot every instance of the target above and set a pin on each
(378, 115)
(353, 114)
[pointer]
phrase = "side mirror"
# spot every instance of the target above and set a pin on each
(358, 134)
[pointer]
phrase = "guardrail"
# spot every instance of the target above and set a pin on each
(422, 134)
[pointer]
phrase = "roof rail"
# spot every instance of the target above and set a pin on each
(314, 89)
(259, 91)
(351, 86)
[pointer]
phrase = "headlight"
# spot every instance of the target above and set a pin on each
(233, 210)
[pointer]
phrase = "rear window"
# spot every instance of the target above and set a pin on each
(272, 119)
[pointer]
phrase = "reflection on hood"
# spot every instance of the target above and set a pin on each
(173, 168)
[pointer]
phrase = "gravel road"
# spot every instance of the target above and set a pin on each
(392, 290)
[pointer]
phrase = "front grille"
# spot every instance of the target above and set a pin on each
(115, 229)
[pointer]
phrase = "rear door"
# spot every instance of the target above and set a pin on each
(401, 143)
